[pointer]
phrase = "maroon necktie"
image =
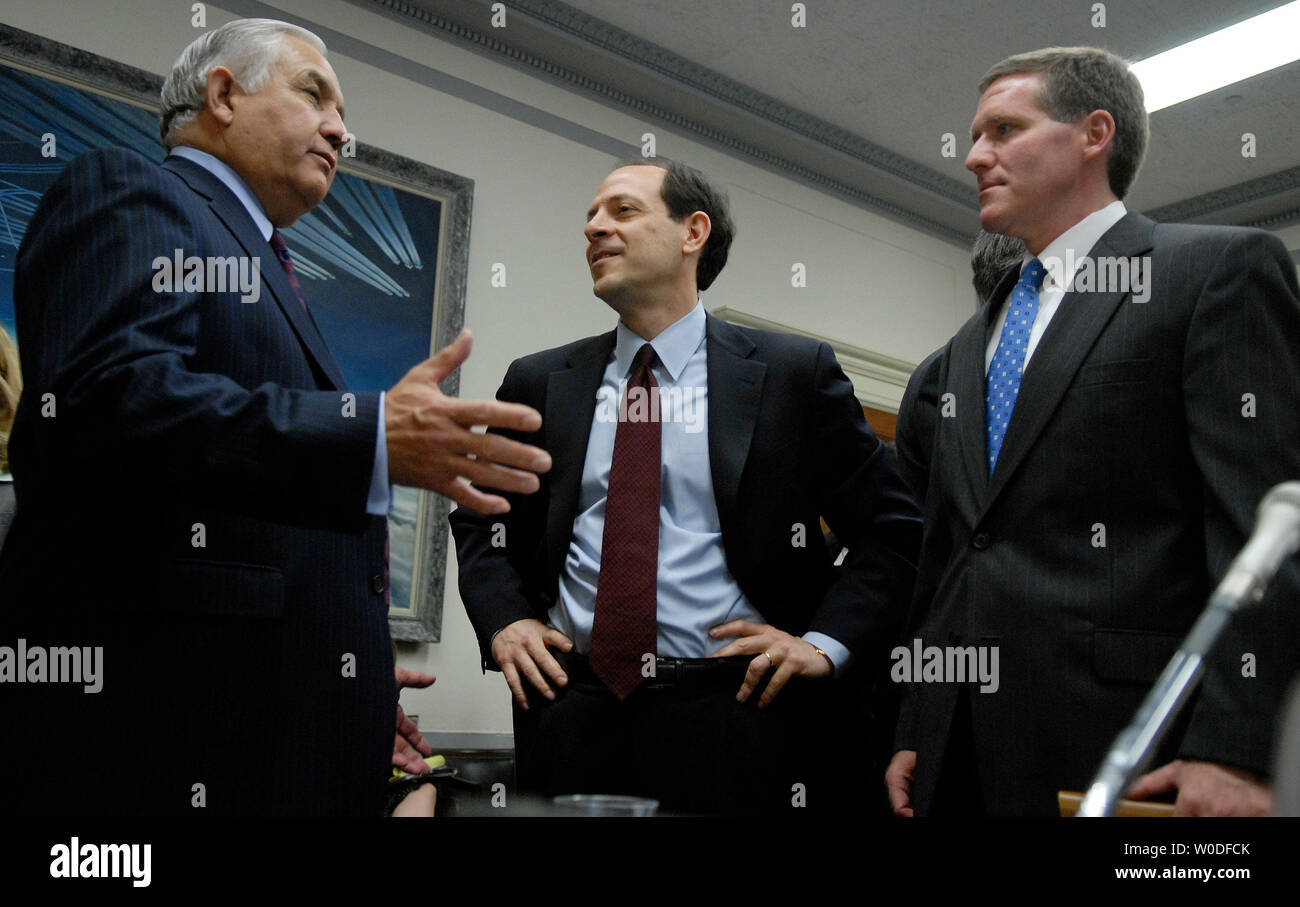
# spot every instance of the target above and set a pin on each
(286, 262)
(624, 628)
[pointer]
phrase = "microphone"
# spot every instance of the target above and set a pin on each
(1276, 538)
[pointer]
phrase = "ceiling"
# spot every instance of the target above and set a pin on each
(858, 101)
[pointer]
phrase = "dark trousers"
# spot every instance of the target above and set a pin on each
(957, 791)
(693, 748)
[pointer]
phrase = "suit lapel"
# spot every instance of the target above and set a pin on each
(570, 407)
(1068, 340)
(968, 387)
(735, 384)
(735, 392)
(230, 211)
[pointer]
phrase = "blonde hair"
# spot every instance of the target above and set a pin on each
(11, 385)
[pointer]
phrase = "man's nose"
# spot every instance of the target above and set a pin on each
(595, 228)
(333, 129)
(978, 158)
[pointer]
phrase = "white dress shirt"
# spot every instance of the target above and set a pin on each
(1062, 258)
(696, 590)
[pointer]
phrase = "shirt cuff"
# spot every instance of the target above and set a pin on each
(380, 492)
(839, 655)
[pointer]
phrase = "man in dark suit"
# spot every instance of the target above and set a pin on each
(638, 571)
(1090, 449)
(201, 501)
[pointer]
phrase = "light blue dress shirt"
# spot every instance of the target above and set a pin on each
(378, 499)
(696, 591)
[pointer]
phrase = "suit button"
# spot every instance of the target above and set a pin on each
(981, 540)
(377, 583)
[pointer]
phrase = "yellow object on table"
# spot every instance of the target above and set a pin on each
(433, 762)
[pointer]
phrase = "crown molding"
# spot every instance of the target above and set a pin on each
(671, 66)
(563, 24)
(1208, 204)
(601, 37)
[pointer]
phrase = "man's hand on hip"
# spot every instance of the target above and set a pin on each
(431, 444)
(775, 649)
(520, 649)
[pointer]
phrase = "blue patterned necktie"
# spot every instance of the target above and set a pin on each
(1009, 359)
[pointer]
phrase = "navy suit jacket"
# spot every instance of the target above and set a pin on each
(192, 480)
(1143, 438)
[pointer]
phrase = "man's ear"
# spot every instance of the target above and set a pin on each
(698, 227)
(218, 90)
(1098, 134)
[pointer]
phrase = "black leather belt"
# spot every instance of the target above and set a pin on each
(669, 672)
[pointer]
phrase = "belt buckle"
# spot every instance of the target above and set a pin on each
(668, 671)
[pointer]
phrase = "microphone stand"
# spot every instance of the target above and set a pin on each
(1276, 538)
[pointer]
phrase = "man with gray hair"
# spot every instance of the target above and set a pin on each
(1091, 447)
(990, 257)
(199, 494)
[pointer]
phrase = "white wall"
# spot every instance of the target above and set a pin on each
(871, 283)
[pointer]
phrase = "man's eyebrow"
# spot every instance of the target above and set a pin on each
(990, 119)
(600, 201)
(616, 197)
(323, 85)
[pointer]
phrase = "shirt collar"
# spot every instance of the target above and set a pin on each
(224, 172)
(674, 345)
(1064, 254)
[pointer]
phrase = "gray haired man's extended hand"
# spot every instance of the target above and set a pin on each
(431, 445)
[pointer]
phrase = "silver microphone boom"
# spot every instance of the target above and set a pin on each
(1275, 539)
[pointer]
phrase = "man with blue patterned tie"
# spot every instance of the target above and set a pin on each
(1088, 466)
(664, 609)
(199, 499)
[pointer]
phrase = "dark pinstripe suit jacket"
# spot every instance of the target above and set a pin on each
(1132, 420)
(192, 495)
